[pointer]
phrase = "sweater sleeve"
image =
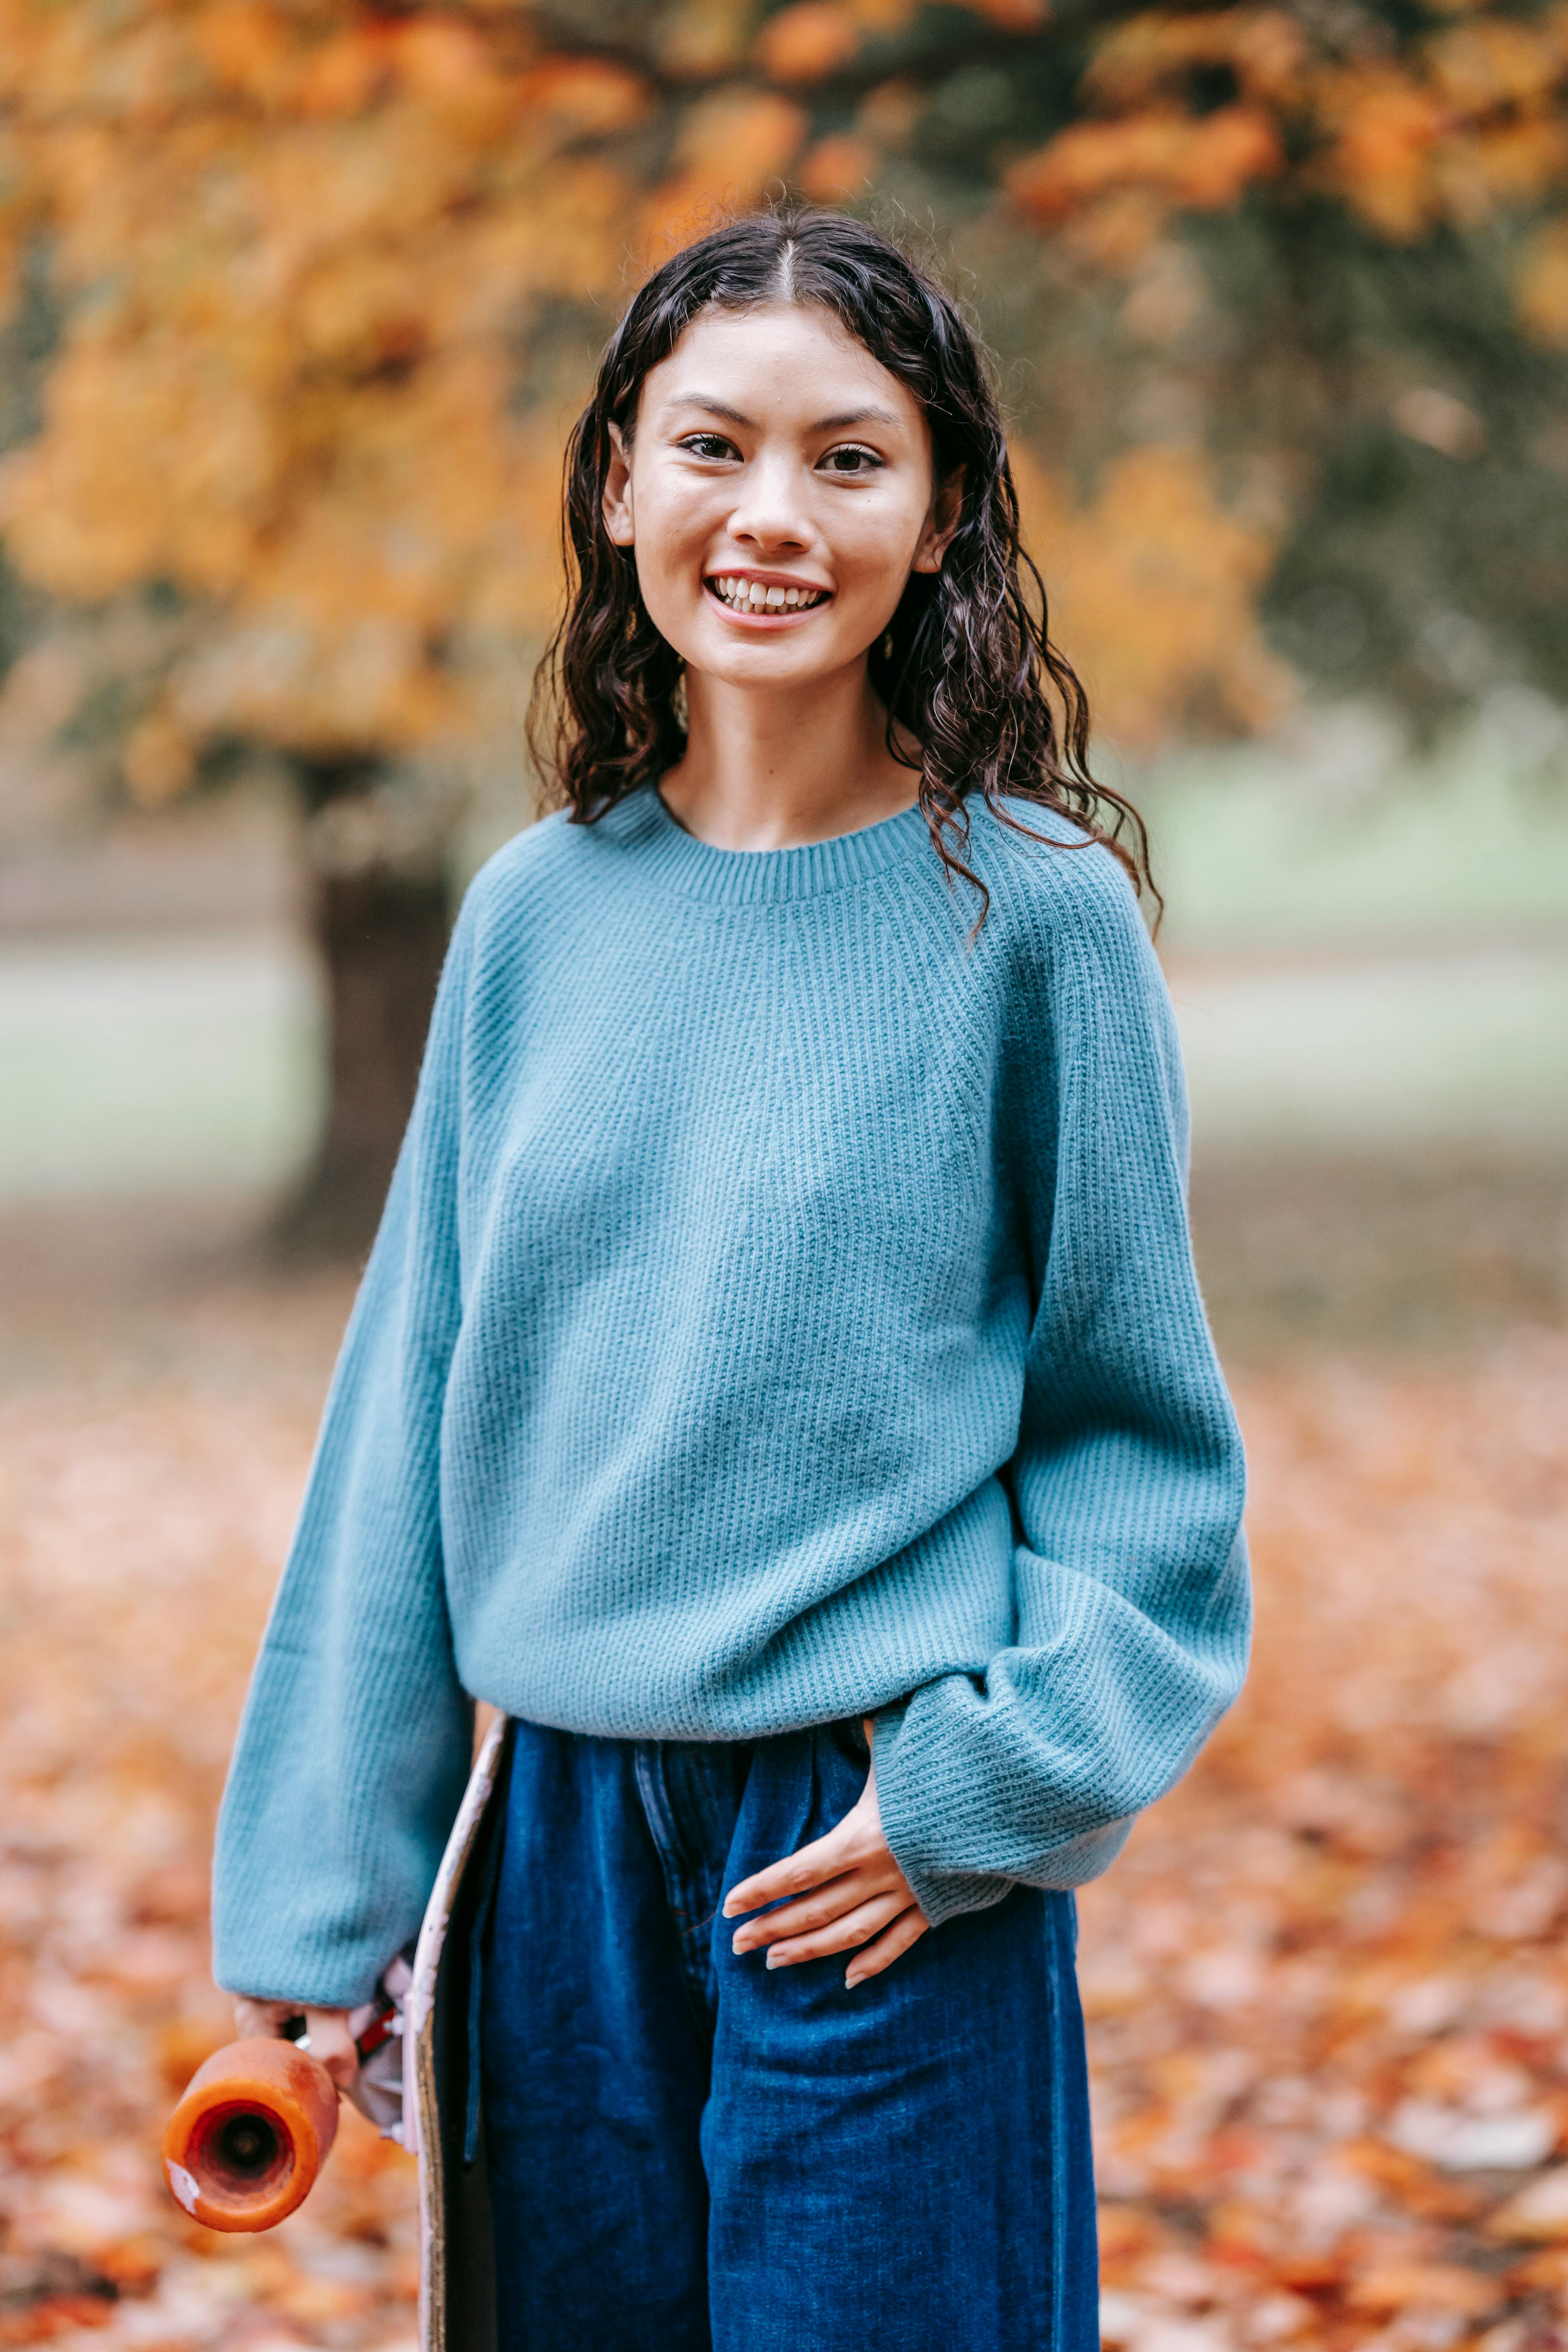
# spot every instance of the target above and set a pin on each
(354, 1744)
(1132, 1599)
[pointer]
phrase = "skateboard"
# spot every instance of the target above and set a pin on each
(457, 2242)
(256, 2124)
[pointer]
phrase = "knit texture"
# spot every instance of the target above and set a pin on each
(782, 1311)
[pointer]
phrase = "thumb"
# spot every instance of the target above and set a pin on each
(332, 2045)
(262, 2019)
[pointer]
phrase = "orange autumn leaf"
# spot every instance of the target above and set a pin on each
(1393, 2287)
(837, 170)
(1204, 163)
(345, 73)
(1384, 129)
(1143, 58)
(1507, 165)
(584, 94)
(246, 47)
(808, 41)
(1490, 62)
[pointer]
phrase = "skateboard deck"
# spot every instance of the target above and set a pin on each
(457, 2244)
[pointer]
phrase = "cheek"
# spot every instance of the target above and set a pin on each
(875, 546)
(667, 549)
(665, 572)
(672, 523)
(658, 535)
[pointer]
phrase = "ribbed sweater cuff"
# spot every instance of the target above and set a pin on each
(916, 1837)
(941, 1894)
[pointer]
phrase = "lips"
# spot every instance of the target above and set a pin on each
(744, 592)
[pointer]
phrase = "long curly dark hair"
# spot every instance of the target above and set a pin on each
(967, 671)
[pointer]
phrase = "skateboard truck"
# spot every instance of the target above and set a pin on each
(245, 2144)
(252, 2132)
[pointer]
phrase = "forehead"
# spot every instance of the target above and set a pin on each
(781, 364)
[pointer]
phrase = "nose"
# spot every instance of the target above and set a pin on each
(771, 511)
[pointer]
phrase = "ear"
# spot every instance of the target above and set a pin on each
(939, 523)
(616, 503)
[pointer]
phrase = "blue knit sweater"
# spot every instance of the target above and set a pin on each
(782, 1311)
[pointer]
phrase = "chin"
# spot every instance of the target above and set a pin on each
(770, 661)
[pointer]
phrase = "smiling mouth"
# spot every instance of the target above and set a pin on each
(742, 594)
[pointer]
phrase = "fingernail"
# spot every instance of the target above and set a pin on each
(737, 1942)
(777, 1961)
(731, 1906)
(851, 1981)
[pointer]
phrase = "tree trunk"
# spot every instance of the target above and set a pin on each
(381, 930)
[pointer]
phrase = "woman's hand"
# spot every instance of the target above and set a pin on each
(326, 2033)
(851, 1893)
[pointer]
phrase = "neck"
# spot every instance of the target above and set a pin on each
(772, 770)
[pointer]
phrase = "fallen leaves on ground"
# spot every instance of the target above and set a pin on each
(1327, 1989)
(1327, 1993)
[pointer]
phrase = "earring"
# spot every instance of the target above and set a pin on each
(679, 705)
(888, 646)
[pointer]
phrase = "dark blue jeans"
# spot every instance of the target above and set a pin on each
(689, 2154)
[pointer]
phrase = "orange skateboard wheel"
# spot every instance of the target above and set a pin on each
(243, 2148)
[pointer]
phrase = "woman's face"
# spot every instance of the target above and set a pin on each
(778, 493)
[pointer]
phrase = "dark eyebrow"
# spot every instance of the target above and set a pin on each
(714, 408)
(823, 424)
(856, 416)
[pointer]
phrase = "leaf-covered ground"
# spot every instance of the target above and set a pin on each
(1327, 1986)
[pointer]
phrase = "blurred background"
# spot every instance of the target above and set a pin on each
(300, 300)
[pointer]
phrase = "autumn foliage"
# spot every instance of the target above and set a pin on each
(328, 280)
(306, 250)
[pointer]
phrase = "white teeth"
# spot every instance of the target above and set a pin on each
(752, 596)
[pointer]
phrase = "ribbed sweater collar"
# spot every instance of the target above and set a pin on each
(740, 877)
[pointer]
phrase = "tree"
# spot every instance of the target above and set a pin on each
(299, 424)
(1281, 294)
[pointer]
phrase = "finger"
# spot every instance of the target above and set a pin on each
(907, 1929)
(797, 1874)
(856, 1927)
(260, 2018)
(813, 1910)
(332, 2044)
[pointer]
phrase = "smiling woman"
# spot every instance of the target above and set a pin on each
(785, 411)
(780, 1387)
(771, 549)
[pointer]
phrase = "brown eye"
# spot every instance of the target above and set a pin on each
(708, 445)
(851, 460)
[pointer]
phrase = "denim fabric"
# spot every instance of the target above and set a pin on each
(691, 2153)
